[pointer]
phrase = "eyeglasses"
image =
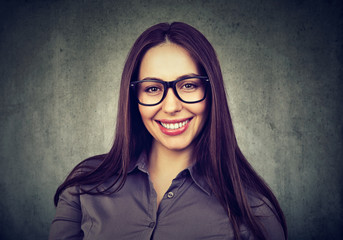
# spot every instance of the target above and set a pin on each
(190, 89)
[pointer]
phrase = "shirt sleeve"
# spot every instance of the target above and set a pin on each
(268, 217)
(67, 221)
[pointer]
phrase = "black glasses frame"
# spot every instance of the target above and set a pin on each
(167, 85)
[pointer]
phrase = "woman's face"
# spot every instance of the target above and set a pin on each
(172, 123)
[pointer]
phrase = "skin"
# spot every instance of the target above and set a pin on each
(170, 154)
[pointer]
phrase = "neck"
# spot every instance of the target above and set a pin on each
(168, 162)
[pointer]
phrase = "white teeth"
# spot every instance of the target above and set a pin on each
(173, 126)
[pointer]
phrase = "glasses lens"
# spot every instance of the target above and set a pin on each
(191, 89)
(149, 92)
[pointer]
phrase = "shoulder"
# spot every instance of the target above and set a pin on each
(78, 176)
(260, 205)
(266, 215)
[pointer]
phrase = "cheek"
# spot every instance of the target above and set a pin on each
(200, 109)
(147, 113)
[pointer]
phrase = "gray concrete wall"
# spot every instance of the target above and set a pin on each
(60, 65)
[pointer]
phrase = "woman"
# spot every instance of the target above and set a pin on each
(175, 170)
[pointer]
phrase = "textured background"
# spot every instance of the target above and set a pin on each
(60, 65)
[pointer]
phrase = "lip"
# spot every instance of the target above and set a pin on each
(174, 132)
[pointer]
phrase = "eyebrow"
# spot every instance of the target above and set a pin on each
(181, 77)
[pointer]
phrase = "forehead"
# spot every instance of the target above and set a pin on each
(167, 61)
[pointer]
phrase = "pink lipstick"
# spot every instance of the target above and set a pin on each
(173, 127)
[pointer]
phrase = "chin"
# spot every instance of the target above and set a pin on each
(177, 149)
(176, 146)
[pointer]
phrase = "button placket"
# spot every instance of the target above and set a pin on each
(170, 195)
(152, 225)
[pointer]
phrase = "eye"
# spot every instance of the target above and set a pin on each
(189, 86)
(153, 90)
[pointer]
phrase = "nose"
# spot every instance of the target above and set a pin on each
(171, 104)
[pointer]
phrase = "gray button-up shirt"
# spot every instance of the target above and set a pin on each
(187, 211)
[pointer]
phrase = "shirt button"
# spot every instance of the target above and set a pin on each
(170, 195)
(152, 225)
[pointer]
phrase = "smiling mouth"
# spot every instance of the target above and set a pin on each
(173, 126)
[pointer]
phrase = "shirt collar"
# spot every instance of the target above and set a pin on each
(142, 164)
(199, 179)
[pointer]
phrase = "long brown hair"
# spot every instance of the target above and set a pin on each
(218, 156)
